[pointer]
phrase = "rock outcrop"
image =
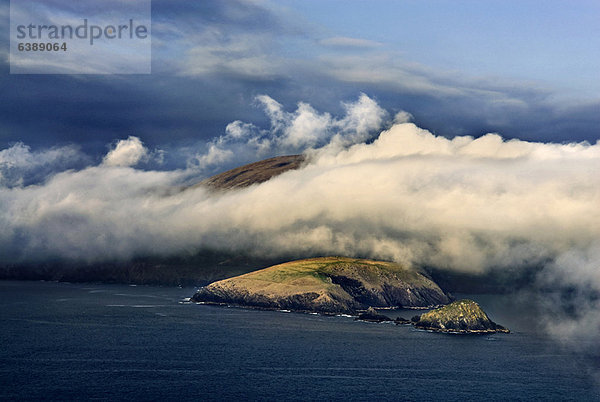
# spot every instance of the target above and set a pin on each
(372, 315)
(462, 316)
(327, 285)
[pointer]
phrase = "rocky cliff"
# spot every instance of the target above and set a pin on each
(462, 316)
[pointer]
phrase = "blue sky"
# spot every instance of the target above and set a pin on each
(552, 43)
(523, 69)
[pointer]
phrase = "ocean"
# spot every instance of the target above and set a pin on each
(64, 341)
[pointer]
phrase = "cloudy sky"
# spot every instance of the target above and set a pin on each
(520, 68)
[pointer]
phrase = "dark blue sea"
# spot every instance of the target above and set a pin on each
(64, 341)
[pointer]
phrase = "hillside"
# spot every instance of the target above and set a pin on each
(327, 285)
(253, 173)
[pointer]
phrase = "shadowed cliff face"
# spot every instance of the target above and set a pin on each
(327, 285)
(253, 173)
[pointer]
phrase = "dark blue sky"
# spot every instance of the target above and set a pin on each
(521, 69)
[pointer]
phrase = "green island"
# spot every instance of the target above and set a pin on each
(339, 285)
(334, 285)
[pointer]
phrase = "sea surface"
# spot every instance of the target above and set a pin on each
(63, 341)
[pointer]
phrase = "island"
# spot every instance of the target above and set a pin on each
(372, 315)
(328, 285)
(462, 316)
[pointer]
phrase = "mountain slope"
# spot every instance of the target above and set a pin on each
(253, 173)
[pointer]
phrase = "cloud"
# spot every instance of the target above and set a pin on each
(19, 165)
(214, 156)
(347, 42)
(239, 40)
(293, 132)
(127, 152)
(132, 152)
(571, 285)
(211, 58)
(242, 55)
(468, 204)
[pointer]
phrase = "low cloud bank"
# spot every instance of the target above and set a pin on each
(464, 204)
(20, 166)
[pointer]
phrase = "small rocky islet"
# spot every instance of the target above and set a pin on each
(461, 316)
(338, 285)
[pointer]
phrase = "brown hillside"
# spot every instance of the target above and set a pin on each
(253, 173)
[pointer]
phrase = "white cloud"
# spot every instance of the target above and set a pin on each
(466, 203)
(293, 132)
(306, 128)
(362, 117)
(239, 129)
(214, 156)
(19, 164)
(571, 300)
(402, 117)
(127, 152)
